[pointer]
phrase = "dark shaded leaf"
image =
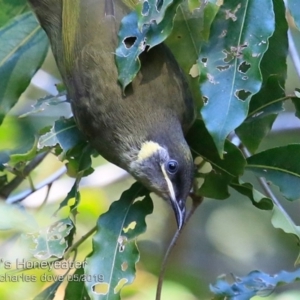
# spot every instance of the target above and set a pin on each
(112, 262)
(223, 170)
(50, 291)
(75, 289)
(258, 199)
(23, 47)
(280, 165)
(229, 64)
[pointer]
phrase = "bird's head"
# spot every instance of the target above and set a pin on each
(168, 172)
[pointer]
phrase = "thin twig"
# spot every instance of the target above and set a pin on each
(197, 200)
(12, 185)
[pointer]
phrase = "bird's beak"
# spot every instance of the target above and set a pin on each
(177, 205)
(179, 210)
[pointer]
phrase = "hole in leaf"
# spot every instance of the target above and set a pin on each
(159, 4)
(223, 68)
(242, 94)
(145, 9)
(101, 288)
(54, 237)
(122, 240)
(245, 77)
(124, 266)
(129, 41)
(131, 226)
(120, 284)
(244, 67)
(204, 61)
(205, 100)
(228, 56)
(223, 33)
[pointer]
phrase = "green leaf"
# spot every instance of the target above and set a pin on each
(112, 262)
(268, 100)
(42, 103)
(280, 165)
(23, 47)
(255, 283)
(293, 6)
(75, 289)
(64, 132)
(133, 41)
(151, 11)
(190, 30)
(258, 199)
(280, 219)
(49, 292)
(229, 64)
(224, 170)
(51, 241)
(24, 157)
(10, 9)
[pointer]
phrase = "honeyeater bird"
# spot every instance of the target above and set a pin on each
(141, 130)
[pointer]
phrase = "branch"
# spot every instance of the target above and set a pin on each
(12, 185)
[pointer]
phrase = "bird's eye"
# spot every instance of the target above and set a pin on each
(172, 166)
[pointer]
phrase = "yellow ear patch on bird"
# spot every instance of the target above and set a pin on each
(148, 149)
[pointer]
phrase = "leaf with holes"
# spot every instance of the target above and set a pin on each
(255, 283)
(267, 103)
(23, 47)
(293, 6)
(51, 241)
(223, 170)
(112, 262)
(190, 30)
(151, 11)
(281, 166)
(132, 41)
(229, 64)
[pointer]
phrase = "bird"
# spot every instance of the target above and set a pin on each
(141, 129)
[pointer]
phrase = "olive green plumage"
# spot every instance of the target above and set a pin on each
(141, 131)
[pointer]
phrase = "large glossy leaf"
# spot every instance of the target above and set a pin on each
(293, 6)
(223, 170)
(112, 263)
(10, 9)
(264, 106)
(23, 47)
(229, 64)
(280, 165)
